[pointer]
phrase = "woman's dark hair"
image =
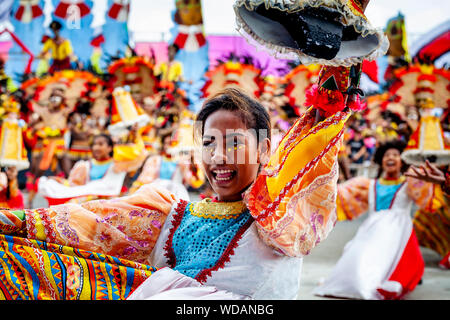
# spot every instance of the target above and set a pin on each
(109, 140)
(252, 113)
(175, 46)
(400, 145)
(55, 25)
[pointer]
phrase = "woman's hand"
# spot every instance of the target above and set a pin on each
(427, 172)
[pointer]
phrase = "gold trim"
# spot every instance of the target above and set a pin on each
(392, 182)
(100, 163)
(217, 210)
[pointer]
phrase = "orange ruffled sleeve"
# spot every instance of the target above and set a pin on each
(79, 175)
(421, 192)
(293, 200)
(149, 173)
(126, 227)
(353, 198)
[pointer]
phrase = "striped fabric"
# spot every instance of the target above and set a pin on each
(35, 270)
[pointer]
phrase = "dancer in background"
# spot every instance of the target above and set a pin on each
(47, 128)
(81, 133)
(163, 168)
(60, 48)
(172, 70)
(101, 177)
(383, 260)
(432, 224)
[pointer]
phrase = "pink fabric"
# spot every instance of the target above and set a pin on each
(4, 49)
(218, 47)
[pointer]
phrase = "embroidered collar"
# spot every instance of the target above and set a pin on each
(390, 182)
(101, 162)
(207, 208)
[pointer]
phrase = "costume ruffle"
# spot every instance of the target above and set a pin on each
(352, 16)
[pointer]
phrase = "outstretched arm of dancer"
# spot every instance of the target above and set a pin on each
(293, 200)
(428, 173)
(126, 227)
(421, 182)
(352, 198)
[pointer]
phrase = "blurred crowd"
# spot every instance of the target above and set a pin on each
(77, 126)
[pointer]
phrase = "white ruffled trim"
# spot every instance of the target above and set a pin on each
(417, 157)
(19, 164)
(360, 24)
(121, 127)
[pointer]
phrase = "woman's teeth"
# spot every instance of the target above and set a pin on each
(223, 175)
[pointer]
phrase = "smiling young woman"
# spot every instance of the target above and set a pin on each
(235, 142)
(248, 242)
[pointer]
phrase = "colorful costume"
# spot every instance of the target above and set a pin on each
(57, 272)
(137, 73)
(12, 153)
(232, 73)
(170, 71)
(12, 147)
(188, 16)
(298, 81)
(61, 53)
(79, 148)
(49, 136)
(432, 225)
(176, 166)
(427, 88)
(125, 113)
(383, 260)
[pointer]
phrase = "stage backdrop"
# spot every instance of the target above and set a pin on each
(188, 35)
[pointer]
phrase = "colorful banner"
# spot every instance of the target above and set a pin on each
(76, 18)
(396, 33)
(5, 9)
(115, 37)
(189, 36)
(27, 18)
(434, 45)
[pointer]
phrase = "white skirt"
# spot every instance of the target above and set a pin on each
(370, 258)
(168, 284)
